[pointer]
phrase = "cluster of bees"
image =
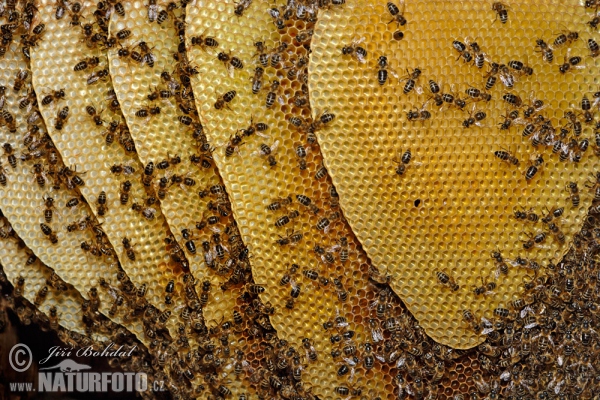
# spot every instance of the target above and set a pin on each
(30, 312)
(546, 344)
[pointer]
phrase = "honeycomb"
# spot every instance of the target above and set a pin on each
(455, 202)
(368, 346)
(133, 81)
(119, 221)
(22, 199)
(15, 264)
(252, 185)
(154, 146)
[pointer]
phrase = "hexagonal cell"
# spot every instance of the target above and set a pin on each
(183, 168)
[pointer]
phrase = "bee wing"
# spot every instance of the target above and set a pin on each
(401, 6)
(113, 293)
(401, 361)
(209, 257)
(333, 249)
(377, 335)
(526, 310)
(507, 79)
(230, 70)
(529, 326)
(505, 376)
(419, 89)
(274, 13)
(275, 145)
(349, 361)
(280, 100)
(358, 41)
(263, 135)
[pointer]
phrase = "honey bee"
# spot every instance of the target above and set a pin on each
(512, 99)
(224, 100)
(55, 95)
(573, 193)
(411, 78)
(102, 207)
(95, 116)
(277, 204)
(2, 97)
(478, 95)
(268, 152)
(204, 41)
(49, 208)
(262, 53)
(148, 57)
(486, 288)
(545, 49)
(397, 13)
(570, 63)
(566, 37)
(75, 13)
(53, 316)
(421, 114)
(241, 6)
(520, 67)
(10, 156)
(507, 157)
(383, 69)
(20, 79)
(378, 277)
(147, 111)
(463, 51)
(479, 56)
(355, 50)
(534, 167)
(126, 169)
(501, 11)
(47, 231)
(147, 212)
(152, 10)
(38, 172)
(61, 118)
(506, 75)
(129, 53)
(128, 248)
(94, 77)
(403, 163)
(40, 296)
(27, 101)
(341, 292)
(475, 118)
(10, 121)
(593, 47)
(124, 192)
(446, 280)
(272, 94)
(231, 62)
(291, 237)
(257, 80)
